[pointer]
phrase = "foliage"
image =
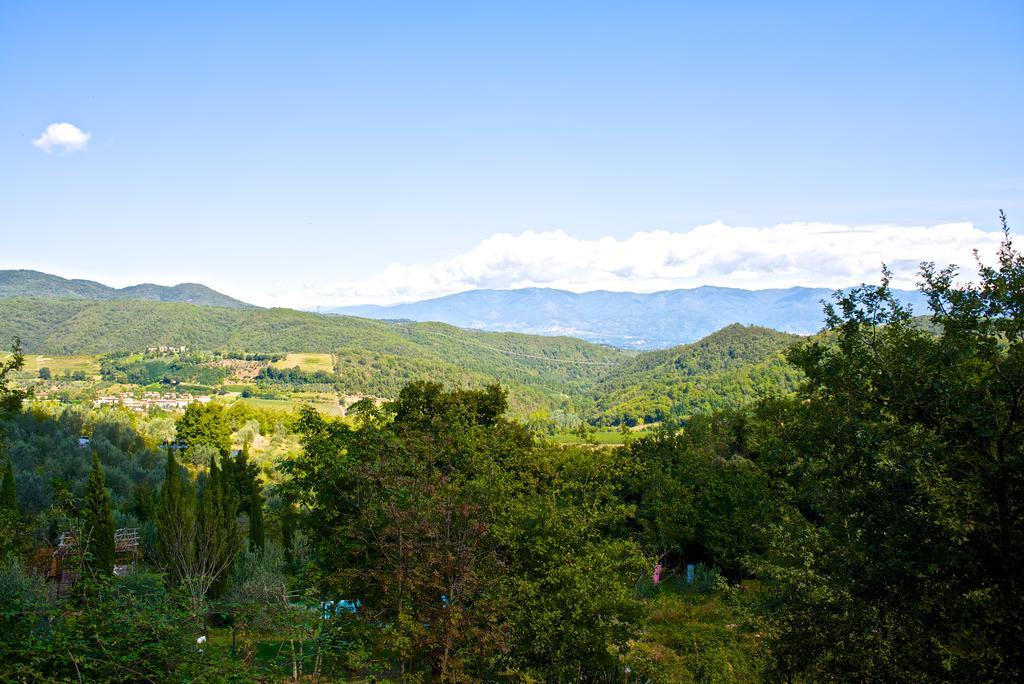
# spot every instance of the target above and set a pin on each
(47, 459)
(178, 369)
(98, 522)
(8, 492)
(198, 534)
(903, 558)
(204, 425)
(296, 376)
(725, 370)
(567, 594)
(700, 493)
(257, 534)
(697, 636)
(470, 551)
(11, 397)
(113, 630)
(175, 521)
(218, 538)
(22, 603)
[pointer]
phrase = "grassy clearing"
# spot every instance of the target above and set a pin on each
(309, 362)
(327, 407)
(271, 655)
(89, 364)
(600, 437)
(698, 635)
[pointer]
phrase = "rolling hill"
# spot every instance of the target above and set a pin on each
(565, 377)
(372, 357)
(24, 283)
(623, 319)
(723, 370)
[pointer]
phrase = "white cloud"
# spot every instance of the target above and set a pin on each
(785, 255)
(62, 137)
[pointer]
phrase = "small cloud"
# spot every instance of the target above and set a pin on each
(62, 137)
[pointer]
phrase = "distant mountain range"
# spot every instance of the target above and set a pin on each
(626, 320)
(23, 283)
(623, 319)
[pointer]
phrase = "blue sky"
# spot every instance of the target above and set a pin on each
(293, 153)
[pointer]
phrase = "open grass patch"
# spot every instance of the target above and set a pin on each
(85, 363)
(698, 636)
(309, 362)
(272, 655)
(292, 404)
(611, 437)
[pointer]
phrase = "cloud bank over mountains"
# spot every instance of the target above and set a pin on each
(785, 255)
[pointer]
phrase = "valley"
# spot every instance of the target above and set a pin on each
(286, 358)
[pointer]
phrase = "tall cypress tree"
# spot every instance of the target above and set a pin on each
(218, 525)
(99, 521)
(8, 495)
(257, 535)
(244, 474)
(175, 516)
(231, 540)
(207, 530)
(288, 532)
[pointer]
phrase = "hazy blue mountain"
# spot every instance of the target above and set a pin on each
(25, 283)
(623, 319)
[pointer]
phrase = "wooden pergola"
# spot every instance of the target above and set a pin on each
(127, 553)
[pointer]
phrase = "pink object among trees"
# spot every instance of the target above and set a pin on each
(656, 577)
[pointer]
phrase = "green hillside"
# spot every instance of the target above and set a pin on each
(372, 357)
(727, 368)
(26, 283)
(565, 376)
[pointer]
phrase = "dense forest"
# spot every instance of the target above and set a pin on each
(867, 526)
(726, 369)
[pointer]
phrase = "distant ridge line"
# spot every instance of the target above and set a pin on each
(509, 352)
(627, 320)
(36, 284)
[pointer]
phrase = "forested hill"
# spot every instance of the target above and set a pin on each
(371, 357)
(735, 365)
(562, 375)
(24, 283)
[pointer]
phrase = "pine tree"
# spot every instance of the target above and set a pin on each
(8, 495)
(175, 517)
(257, 535)
(99, 522)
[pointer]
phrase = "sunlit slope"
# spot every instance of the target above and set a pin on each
(372, 357)
(725, 369)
